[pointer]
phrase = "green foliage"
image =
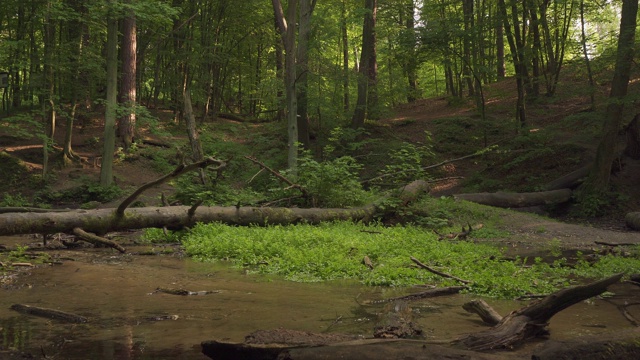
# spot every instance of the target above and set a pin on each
(16, 200)
(87, 192)
(189, 189)
(333, 251)
(23, 125)
(20, 254)
(331, 183)
(155, 235)
(406, 163)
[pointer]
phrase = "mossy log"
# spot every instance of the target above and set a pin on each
(633, 220)
(101, 221)
(518, 200)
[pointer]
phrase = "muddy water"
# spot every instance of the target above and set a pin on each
(128, 320)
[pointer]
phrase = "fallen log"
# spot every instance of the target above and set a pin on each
(531, 321)
(611, 346)
(486, 312)
(365, 349)
(570, 180)
(49, 313)
(633, 220)
(101, 221)
(518, 200)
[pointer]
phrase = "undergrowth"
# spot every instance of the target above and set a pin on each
(331, 251)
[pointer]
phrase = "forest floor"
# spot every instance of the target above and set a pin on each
(408, 123)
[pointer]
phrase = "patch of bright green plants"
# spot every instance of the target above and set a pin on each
(154, 236)
(20, 255)
(330, 251)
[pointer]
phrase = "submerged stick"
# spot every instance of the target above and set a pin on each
(432, 270)
(49, 313)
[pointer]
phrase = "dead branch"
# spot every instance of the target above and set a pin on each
(432, 270)
(431, 293)
(477, 153)
(614, 244)
(179, 170)
(95, 239)
(531, 321)
(486, 312)
(279, 176)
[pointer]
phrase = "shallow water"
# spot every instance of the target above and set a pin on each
(116, 293)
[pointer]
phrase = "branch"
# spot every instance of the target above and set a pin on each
(95, 239)
(477, 153)
(179, 170)
(279, 13)
(466, 282)
(304, 191)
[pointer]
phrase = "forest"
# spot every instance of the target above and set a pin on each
(488, 148)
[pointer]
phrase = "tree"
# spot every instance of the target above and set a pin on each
(596, 185)
(287, 27)
(368, 70)
(106, 169)
(302, 68)
(126, 126)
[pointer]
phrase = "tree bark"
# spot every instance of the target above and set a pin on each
(126, 127)
(101, 221)
(517, 200)
(633, 138)
(106, 169)
(531, 321)
(633, 220)
(368, 67)
(287, 28)
(598, 180)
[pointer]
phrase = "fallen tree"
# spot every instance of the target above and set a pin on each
(518, 200)
(532, 320)
(101, 221)
(633, 220)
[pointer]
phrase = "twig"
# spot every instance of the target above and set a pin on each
(95, 239)
(477, 153)
(431, 293)
(623, 310)
(466, 282)
(179, 170)
(304, 191)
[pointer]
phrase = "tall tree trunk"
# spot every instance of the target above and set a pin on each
(411, 65)
(598, 181)
(302, 68)
(126, 126)
(345, 56)
(48, 103)
(513, 39)
(287, 28)
(106, 170)
(468, 38)
(500, 68)
(367, 74)
(583, 40)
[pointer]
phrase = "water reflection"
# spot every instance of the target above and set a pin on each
(128, 320)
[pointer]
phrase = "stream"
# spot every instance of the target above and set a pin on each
(128, 319)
